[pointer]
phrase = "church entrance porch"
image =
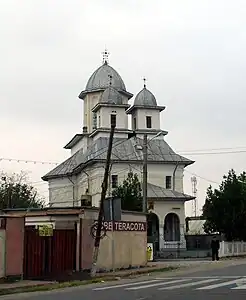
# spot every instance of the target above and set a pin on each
(172, 241)
(171, 228)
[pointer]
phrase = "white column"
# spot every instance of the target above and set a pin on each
(182, 236)
(161, 235)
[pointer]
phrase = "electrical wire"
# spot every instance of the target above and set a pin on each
(28, 161)
(103, 150)
(130, 165)
(211, 149)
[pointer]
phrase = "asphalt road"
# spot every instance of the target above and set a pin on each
(216, 281)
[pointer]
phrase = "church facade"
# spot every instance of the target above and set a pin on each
(78, 179)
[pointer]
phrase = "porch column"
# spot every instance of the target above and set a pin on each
(182, 236)
(161, 235)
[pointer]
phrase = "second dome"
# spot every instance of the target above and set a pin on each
(145, 98)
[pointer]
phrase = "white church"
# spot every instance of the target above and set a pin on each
(78, 179)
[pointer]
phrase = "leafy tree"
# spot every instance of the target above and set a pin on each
(225, 208)
(130, 193)
(15, 192)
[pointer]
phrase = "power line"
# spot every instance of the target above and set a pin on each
(201, 177)
(99, 152)
(28, 161)
(212, 149)
(208, 180)
(212, 153)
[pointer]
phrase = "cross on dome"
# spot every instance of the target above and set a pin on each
(105, 54)
(144, 80)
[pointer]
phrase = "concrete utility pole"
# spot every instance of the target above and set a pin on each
(145, 172)
(103, 196)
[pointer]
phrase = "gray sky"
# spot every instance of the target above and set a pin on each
(192, 53)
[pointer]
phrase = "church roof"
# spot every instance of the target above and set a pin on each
(154, 191)
(111, 95)
(124, 150)
(145, 98)
(101, 78)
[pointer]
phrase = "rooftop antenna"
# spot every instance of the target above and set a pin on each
(144, 80)
(105, 54)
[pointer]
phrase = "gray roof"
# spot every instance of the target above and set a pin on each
(124, 150)
(154, 191)
(111, 95)
(145, 98)
(100, 79)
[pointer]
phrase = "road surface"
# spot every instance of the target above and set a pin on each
(217, 281)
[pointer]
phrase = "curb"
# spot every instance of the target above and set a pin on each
(103, 278)
(134, 272)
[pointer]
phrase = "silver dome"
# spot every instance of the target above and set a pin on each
(145, 98)
(100, 79)
(111, 95)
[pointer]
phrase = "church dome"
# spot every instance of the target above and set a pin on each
(145, 98)
(100, 79)
(111, 95)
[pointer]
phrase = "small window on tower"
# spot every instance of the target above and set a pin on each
(134, 124)
(113, 120)
(148, 122)
(168, 182)
(114, 180)
(94, 121)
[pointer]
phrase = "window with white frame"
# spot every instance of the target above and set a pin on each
(114, 181)
(148, 122)
(168, 182)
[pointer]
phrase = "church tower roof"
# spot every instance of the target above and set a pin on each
(111, 95)
(99, 79)
(145, 98)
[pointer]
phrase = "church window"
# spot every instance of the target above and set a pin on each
(148, 122)
(134, 124)
(113, 120)
(114, 181)
(99, 121)
(94, 121)
(168, 182)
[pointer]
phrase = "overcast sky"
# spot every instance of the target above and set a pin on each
(192, 53)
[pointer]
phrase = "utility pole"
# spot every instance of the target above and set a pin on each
(103, 196)
(145, 172)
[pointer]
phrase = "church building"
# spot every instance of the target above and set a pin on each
(78, 179)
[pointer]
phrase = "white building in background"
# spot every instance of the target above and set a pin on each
(79, 178)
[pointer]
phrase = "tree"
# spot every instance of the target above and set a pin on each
(130, 193)
(15, 192)
(225, 208)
